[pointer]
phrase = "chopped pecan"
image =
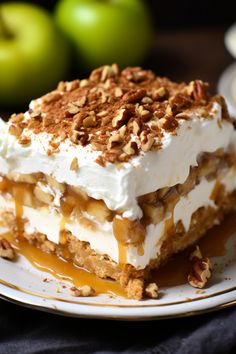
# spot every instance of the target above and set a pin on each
(105, 72)
(121, 116)
(74, 164)
(72, 85)
(136, 127)
(24, 140)
(147, 143)
(17, 118)
(51, 97)
(146, 100)
(130, 148)
(78, 120)
(197, 90)
(61, 86)
(113, 140)
(170, 124)
(118, 92)
(159, 93)
(134, 95)
(102, 114)
(147, 140)
(84, 83)
(178, 102)
(6, 250)
(151, 291)
(83, 291)
(36, 113)
(15, 130)
(122, 131)
(200, 269)
(144, 113)
(79, 137)
(72, 108)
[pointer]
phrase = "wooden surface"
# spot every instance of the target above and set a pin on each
(183, 55)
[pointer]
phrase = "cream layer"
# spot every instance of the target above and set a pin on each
(48, 221)
(119, 185)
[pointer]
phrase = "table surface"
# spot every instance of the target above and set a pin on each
(182, 55)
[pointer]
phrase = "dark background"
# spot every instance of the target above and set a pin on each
(182, 14)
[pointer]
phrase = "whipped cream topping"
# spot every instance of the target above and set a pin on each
(119, 185)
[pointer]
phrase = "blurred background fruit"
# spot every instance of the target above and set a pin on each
(106, 31)
(34, 56)
(167, 37)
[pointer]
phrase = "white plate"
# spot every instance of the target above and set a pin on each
(20, 282)
(227, 88)
(230, 40)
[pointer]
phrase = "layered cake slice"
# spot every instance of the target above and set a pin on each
(118, 172)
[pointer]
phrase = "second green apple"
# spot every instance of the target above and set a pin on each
(106, 31)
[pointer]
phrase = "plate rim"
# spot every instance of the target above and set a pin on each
(143, 313)
(223, 86)
(227, 39)
(129, 318)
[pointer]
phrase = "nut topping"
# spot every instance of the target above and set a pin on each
(6, 250)
(91, 110)
(84, 83)
(120, 118)
(151, 291)
(24, 140)
(136, 127)
(15, 130)
(90, 121)
(118, 92)
(17, 118)
(72, 108)
(74, 164)
(134, 96)
(130, 148)
(159, 93)
(200, 270)
(71, 86)
(113, 140)
(81, 101)
(83, 291)
(51, 96)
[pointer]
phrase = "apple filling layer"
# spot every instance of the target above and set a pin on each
(71, 205)
(62, 219)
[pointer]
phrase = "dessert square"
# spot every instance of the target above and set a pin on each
(118, 172)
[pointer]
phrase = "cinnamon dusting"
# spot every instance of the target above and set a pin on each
(93, 111)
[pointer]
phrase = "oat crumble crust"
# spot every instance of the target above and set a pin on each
(120, 113)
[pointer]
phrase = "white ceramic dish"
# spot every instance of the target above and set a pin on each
(22, 283)
(227, 81)
(230, 40)
(227, 88)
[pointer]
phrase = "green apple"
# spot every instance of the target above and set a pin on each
(33, 54)
(106, 31)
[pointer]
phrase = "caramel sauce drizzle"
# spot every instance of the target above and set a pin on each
(19, 195)
(172, 274)
(51, 263)
(218, 186)
(169, 226)
(62, 269)
(140, 250)
(122, 254)
(211, 245)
